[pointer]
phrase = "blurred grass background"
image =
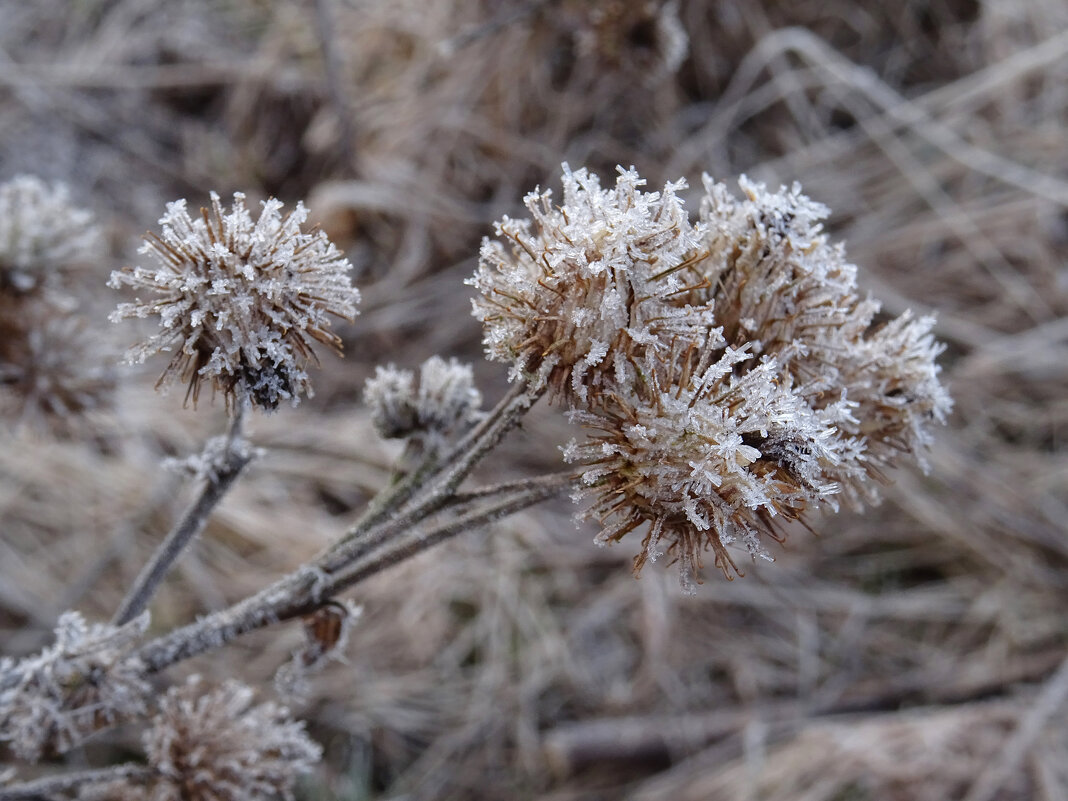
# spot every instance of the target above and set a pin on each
(916, 651)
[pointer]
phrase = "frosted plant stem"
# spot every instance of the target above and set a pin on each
(388, 500)
(191, 524)
(534, 491)
(309, 587)
(458, 463)
(49, 786)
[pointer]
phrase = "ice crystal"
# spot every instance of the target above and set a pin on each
(40, 233)
(240, 302)
(86, 681)
(728, 372)
(215, 745)
(446, 400)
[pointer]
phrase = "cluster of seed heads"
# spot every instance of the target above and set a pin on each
(727, 370)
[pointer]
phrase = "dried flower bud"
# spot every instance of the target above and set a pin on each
(86, 681)
(240, 302)
(390, 395)
(40, 232)
(446, 400)
(216, 746)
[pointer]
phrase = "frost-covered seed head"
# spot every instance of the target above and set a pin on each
(779, 284)
(240, 302)
(448, 399)
(87, 680)
(55, 373)
(445, 401)
(728, 372)
(215, 745)
(590, 287)
(41, 232)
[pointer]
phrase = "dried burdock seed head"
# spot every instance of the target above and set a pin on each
(589, 288)
(86, 681)
(215, 745)
(240, 302)
(446, 400)
(729, 373)
(41, 232)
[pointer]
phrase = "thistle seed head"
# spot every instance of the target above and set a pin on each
(41, 232)
(240, 302)
(728, 372)
(86, 681)
(589, 288)
(215, 745)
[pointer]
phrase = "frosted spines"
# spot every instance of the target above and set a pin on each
(240, 302)
(86, 681)
(445, 401)
(594, 283)
(40, 232)
(728, 372)
(215, 744)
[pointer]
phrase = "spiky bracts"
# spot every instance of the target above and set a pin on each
(216, 745)
(87, 680)
(240, 302)
(728, 371)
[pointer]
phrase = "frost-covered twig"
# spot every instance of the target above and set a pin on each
(455, 466)
(49, 787)
(309, 587)
(535, 491)
(219, 477)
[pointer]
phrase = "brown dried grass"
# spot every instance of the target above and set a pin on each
(909, 652)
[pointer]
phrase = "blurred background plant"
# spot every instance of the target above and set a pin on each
(523, 661)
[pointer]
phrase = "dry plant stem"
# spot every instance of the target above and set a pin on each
(458, 462)
(191, 524)
(388, 500)
(534, 491)
(305, 589)
(52, 786)
(310, 586)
